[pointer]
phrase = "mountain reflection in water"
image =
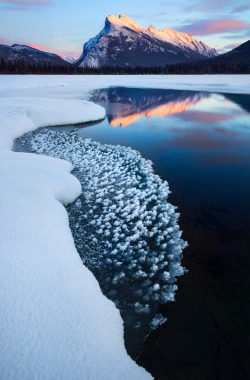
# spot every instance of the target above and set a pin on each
(124, 106)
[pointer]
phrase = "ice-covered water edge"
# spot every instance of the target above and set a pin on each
(124, 229)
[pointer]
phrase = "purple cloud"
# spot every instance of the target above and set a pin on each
(241, 9)
(24, 4)
(206, 27)
(229, 47)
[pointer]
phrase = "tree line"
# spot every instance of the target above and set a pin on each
(24, 67)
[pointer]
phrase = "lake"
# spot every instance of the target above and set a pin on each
(200, 143)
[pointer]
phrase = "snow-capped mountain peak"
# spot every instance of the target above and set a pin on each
(124, 42)
(66, 58)
(124, 21)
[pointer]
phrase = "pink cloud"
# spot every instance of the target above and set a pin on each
(4, 39)
(199, 139)
(38, 47)
(205, 27)
(205, 117)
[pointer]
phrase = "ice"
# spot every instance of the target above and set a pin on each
(125, 230)
(157, 321)
(55, 321)
(79, 86)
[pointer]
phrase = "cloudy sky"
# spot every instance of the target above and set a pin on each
(64, 25)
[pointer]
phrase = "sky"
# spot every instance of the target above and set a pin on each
(62, 26)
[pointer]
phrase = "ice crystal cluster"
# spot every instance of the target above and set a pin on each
(124, 228)
(158, 320)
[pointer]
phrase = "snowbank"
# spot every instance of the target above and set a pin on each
(19, 115)
(79, 86)
(55, 322)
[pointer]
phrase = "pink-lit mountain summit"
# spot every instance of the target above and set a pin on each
(124, 42)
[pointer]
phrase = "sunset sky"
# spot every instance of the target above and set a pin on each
(63, 26)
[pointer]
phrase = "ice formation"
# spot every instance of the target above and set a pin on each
(157, 321)
(55, 321)
(124, 229)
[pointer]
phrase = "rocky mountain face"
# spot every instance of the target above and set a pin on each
(28, 54)
(124, 42)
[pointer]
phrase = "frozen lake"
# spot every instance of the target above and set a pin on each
(199, 142)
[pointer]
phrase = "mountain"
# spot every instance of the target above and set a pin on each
(236, 61)
(28, 54)
(123, 42)
(66, 58)
(241, 54)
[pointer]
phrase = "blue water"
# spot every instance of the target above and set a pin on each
(200, 143)
(202, 149)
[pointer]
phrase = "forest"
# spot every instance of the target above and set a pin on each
(201, 67)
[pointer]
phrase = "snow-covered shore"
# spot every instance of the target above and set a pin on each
(55, 322)
(78, 86)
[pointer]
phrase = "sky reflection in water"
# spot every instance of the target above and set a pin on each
(199, 142)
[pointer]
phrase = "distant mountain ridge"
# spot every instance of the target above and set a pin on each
(240, 54)
(29, 54)
(67, 58)
(124, 42)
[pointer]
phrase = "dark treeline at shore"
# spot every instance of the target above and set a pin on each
(22, 67)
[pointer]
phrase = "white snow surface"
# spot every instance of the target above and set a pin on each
(79, 87)
(19, 115)
(55, 322)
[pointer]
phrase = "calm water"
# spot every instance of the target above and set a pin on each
(200, 143)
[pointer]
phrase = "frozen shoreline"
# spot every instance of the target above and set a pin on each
(78, 86)
(44, 286)
(55, 321)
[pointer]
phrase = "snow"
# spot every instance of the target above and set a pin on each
(55, 322)
(114, 27)
(124, 21)
(19, 115)
(67, 58)
(182, 40)
(79, 87)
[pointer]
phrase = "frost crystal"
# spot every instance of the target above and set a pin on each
(124, 228)
(157, 321)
